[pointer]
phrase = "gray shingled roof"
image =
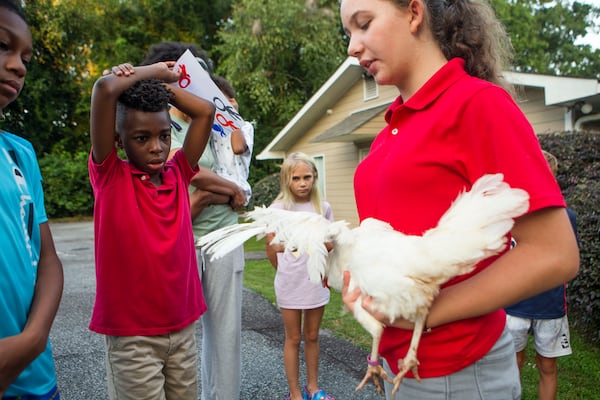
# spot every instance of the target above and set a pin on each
(350, 124)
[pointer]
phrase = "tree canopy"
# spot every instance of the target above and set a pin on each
(278, 56)
(544, 32)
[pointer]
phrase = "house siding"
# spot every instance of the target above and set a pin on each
(544, 119)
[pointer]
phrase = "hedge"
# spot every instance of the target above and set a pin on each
(264, 191)
(67, 189)
(579, 178)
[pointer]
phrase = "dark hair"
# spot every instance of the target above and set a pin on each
(149, 95)
(171, 51)
(14, 7)
(470, 30)
(224, 85)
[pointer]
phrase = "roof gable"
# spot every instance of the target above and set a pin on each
(345, 128)
(331, 91)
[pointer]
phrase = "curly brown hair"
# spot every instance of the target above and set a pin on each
(470, 30)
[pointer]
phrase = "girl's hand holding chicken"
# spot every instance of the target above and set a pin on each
(351, 297)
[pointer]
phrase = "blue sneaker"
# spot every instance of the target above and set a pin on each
(320, 395)
(305, 394)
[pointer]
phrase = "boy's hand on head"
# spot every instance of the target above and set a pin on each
(165, 71)
(125, 69)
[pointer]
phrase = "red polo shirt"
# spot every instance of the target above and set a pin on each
(455, 129)
(147, 280)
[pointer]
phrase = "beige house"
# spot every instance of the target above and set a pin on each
(337, 125)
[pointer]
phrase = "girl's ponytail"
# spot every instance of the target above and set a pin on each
(471, 30)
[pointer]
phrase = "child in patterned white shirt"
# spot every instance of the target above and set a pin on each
(233, 156)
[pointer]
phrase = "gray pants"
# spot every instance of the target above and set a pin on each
(494, 377)
(222, 326)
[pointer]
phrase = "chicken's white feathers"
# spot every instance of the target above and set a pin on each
(401, 273)
(299, 231)
(224, 240)
(381, 260)
(479, 219)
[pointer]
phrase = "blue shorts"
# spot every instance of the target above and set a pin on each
(51, 395)
(494, 377)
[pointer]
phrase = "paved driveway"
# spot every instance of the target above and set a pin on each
(79, 353)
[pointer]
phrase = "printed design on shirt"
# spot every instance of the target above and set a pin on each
(25, 203)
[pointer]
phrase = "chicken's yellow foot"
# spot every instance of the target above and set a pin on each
(404, 365)
(375, 373)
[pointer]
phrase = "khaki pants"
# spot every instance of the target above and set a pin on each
(162, 367)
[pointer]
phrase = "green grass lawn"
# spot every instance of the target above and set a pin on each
(254, 245)
(578, 375)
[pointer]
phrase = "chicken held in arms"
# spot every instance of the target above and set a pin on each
(401, 273)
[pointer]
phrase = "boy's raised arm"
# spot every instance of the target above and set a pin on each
(105, 93)
(202, 114)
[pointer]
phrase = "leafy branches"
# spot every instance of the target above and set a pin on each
(544, 33)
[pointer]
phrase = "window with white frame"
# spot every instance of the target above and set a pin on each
(320, 163)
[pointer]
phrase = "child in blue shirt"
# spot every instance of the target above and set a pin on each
(31, 276)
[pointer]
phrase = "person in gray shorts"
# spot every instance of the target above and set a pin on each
(545, 318)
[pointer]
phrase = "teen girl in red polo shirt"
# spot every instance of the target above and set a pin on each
(453, 122)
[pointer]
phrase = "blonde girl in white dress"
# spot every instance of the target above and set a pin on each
(297, 297)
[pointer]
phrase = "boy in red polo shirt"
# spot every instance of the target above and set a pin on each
(148, 292)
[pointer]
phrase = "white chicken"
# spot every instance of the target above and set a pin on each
(401, 273)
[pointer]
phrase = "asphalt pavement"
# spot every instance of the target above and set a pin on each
(79, 353)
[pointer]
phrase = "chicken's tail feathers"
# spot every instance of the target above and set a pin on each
(301, 232)
(321, 263)
(224, 240)
(259, 213)
(264, 220)
(218, 243)
(479, 219)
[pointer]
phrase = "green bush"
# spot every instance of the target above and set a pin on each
(264, 191)
(579, 178)
(67, 189)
